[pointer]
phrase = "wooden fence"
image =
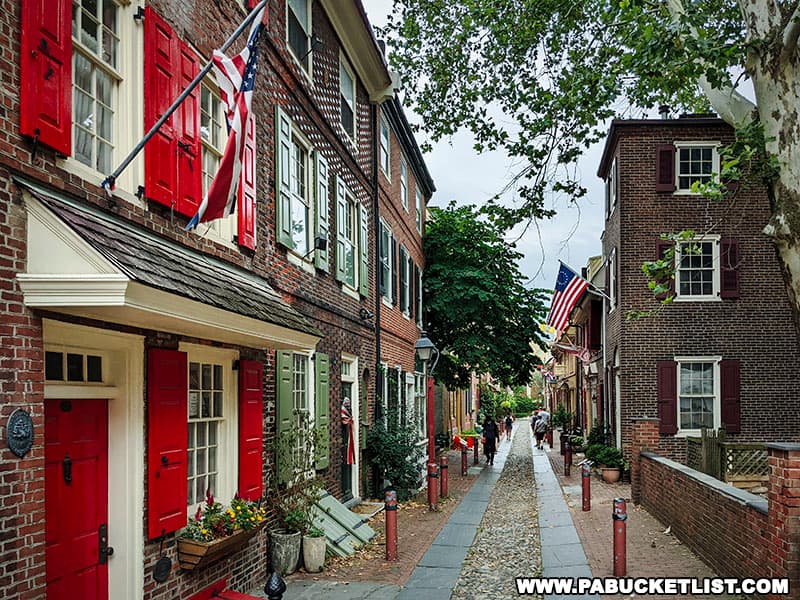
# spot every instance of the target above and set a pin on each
(742, 465)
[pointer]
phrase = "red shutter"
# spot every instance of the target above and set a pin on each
(160, 70)
(187, 130)
(251, 428)
(729, 268)
(661, 249)
(730, 394)
(667, 396)
(46, 72)
(247, 189)
(167, 432)
(665, 168)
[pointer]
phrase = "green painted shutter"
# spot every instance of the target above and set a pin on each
(321, 220)
(363, 251)
(322, 416)
(341, 216)
(284, 417)
(283, 154)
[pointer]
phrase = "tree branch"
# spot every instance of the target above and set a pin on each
(730, 105)
(791, 33)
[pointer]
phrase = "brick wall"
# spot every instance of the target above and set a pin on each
(742, 328)
(737, 533)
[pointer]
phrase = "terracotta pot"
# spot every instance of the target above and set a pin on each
(610, 474)
(284, 550)
(314, 553)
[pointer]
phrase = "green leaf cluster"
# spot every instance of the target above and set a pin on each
(477, 309)
(393, 448)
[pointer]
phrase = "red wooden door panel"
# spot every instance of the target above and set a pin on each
(76, 498)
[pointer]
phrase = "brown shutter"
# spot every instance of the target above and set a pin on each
(665, 168)
(661, 249)
(729, 268)
(730, 394)
(667, 396)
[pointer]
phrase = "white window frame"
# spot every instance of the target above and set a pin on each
(612, 191)
(405, 292)
(421, 404)
(345, 65)
(298, 139)
(715, 270)
(224, 229)
(715, 160)
(352, 204)
(128, 110)
(612, 280)
(310, 399)
(715, 360)
(304, 62)
(387, 263)
(404, 182)
(385, 387)
(419, 299)
(420, 208)
(385, 147)
(228, 433)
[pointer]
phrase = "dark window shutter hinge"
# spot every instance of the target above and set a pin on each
(139, 16)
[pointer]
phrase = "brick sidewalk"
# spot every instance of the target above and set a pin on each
(650, 551)
(417, 527)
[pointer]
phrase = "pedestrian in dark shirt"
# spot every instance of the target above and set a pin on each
(490, 435)
(509, 426)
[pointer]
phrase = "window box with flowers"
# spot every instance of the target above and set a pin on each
(217, 531)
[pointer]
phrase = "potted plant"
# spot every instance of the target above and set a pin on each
(611, 463)
(217, 531)
(314, 544)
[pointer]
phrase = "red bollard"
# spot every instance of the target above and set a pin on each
(432, 487)
(443, 476)
(586, 476)
(390, 506)
(463, 459)
(567, 458)
(475, 452)
(620, 515)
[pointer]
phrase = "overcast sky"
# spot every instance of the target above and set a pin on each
(467, 177)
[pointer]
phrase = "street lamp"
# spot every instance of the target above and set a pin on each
(425, 350)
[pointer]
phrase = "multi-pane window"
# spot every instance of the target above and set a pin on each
(206, 389)
(384, 155)
(420, 404)
(611, 188)
(300, 402)
(298, 16)
(612, 279)
(420, 210)
(214, 136)
(696, 394)
(405, 281)
(695, 163)
(386, 261)
(418, 309)
(73, 367)
(697, 273)
(347, 97)
(348, 227)
(403, 183)
(300, 192)
(95, 79)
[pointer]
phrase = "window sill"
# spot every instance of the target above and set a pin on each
(298, 261)
(90, 175)
(386, 302)
(697, 299)
(347, 290)
(684, 433)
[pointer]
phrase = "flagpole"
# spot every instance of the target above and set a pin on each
(109, 182)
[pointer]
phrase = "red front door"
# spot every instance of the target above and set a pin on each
(76, 498)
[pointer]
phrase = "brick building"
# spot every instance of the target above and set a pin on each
(405, 186)
(157, 363)
(724, 352)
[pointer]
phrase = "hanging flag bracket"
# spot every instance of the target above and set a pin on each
(109, 182)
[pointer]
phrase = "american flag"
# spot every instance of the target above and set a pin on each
(569, 289)
(347, 421)
(235, 78)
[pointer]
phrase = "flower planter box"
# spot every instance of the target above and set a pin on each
(193, 554)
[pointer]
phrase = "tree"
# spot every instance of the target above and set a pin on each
(556, 70)
(477, 309)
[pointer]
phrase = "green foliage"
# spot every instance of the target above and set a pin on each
(213, 521)
(562, 417)
(392, 448)
(598, 434)
(539, 79)
(575, 441)
(592, 451)
(524, 405)
(315, 532)
(610, 457)
(477, 307)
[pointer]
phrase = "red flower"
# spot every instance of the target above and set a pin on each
(198, 516)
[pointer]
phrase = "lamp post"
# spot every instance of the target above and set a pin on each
(425, 350)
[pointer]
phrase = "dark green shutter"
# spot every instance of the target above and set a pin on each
(322, 416)
(284, 417)
(283, 154)
(394, 262)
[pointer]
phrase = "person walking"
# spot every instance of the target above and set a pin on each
(509, 426)
(539, 429)
(490, 435)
